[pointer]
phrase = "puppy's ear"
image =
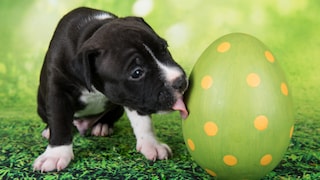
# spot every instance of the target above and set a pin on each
(84, 66)
(141, 20)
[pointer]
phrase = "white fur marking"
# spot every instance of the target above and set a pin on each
(98, 16)
(95, 103)
(102, 16)
(54, 158)
(147, 142)
(170, 73)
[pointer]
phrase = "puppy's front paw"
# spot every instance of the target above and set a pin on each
(154, 150)
(54, 158)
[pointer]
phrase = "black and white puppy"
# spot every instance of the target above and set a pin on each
(98, 66)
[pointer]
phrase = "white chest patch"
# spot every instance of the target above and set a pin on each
(95, 103)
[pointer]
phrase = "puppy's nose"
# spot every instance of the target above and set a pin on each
(180, 84)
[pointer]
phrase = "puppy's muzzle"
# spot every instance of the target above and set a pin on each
(180, 84)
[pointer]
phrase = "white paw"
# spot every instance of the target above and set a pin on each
(54, 158)
(154, 150)
(101, 130)
(46, 133)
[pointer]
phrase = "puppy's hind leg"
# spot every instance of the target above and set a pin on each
(104, 126)
(42, 113)
(100, 125)
(46, 133)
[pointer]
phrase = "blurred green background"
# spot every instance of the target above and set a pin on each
(290, 28)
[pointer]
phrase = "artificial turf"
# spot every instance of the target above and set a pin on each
(115, 157)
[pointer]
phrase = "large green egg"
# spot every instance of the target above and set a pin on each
(241, 115)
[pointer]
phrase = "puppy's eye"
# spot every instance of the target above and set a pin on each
(137, 73)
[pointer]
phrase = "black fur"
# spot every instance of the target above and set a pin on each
(110, 55)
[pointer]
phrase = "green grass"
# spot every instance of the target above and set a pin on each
(115, 157)
(98, 158)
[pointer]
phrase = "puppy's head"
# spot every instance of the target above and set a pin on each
(127, 61)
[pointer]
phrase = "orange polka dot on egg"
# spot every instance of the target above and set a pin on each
(230, 160)
(223, 47)
(284, 89)
(261, 123)
(269, 56)
(212, 173)
(210, 128)
(253, 80)
(191, 144)
(266, 159)
(291, 131)
(206, 82)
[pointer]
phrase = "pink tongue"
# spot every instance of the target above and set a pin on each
(180, 106)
